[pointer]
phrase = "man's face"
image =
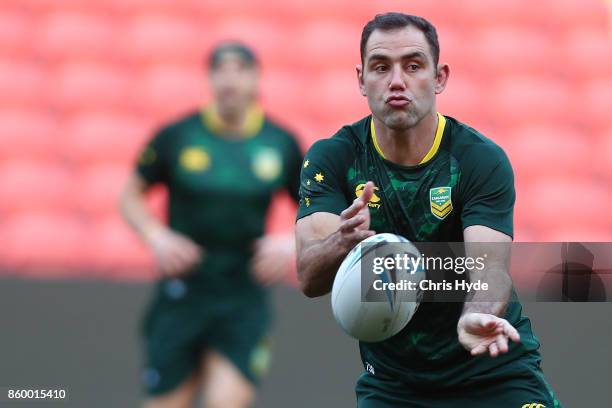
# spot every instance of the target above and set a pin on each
(234, 83)
(399, 78)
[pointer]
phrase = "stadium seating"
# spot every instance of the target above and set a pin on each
(103, 137)
(77, 86)
(85, 83)
(23, 84)
(15, 40)
(27, 134)
(63, 35)
(99, 188)
(165, 91)
(114, 250)
(26, 185)
(43, 243)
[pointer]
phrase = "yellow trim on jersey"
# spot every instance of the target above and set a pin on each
(437, 139)
(434, 147)
(253, 121)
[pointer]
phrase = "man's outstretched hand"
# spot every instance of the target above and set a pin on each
(355, 220)
(481, 332)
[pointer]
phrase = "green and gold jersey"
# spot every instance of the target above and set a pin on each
(220, 187)
(464, 180)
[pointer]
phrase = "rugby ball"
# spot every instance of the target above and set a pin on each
(361, 306)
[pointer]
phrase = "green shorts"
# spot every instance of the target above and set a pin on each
(181, 324)
(519, 385)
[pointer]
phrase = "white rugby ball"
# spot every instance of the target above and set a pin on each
(374, 315)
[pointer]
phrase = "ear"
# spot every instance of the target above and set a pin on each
(359, 70)
(442, 74)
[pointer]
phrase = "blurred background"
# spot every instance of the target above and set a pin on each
(83, 84)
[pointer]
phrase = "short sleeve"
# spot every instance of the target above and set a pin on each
(293, 164)
(487, 185)
(152, 163)
(323, 178)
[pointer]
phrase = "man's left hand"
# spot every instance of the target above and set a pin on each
(481, 332)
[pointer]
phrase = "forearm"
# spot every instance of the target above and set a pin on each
(495, 299)
(137, 214)
(318, 262)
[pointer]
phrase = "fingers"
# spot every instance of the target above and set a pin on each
(350, 224)
(353, 209)
(368, 192)
(359, 203)
(493, 349)
(511, 333)
(479, 349)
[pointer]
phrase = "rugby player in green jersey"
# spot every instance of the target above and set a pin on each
(207, 326)
(409, 170)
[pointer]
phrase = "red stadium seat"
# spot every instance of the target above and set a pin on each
(595, 102)
(21, 84)
(587, 55)
(99, 188)
(604, 147)
(562, 233)
(169, 90)
(96, 137)
(15, 38)
(568, 14)
(574, 203)
(314, 47)
(463, 99)
(160, 38)
(501, 50)
(335, 96)
(27, 135)
(550, 150)
(281, 92)
(26, 185)
(42, 243)
(274, 43)
(86, 86)
(486, 13)
(115, 250)
(517, 101)
(64, 35)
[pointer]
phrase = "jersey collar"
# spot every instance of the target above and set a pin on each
(432, 150)
(252, 124)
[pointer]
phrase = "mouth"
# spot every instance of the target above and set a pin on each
(397, 101)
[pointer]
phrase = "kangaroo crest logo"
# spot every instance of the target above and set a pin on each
(440, 202)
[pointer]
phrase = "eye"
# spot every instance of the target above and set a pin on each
(413, 67)
(380, 68)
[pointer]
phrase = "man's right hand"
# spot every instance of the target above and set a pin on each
(175, 253)
(355, 220)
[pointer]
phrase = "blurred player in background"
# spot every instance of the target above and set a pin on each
(409, 170)
(207, 327)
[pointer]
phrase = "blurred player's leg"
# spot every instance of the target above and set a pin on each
(223, 384)
(181, 397)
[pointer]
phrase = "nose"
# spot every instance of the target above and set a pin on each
(397, 79)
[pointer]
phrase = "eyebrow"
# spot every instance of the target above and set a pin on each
(412, 55)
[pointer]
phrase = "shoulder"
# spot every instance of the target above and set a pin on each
(172, 129)
(275, 129)
(472, 149)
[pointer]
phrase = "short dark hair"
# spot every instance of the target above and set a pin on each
(237, 47)
(392, 21)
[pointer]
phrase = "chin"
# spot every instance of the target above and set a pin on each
(400, 121)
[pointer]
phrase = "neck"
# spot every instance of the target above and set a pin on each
(231, 121)
(407, 147)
